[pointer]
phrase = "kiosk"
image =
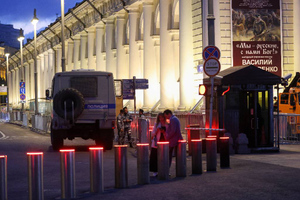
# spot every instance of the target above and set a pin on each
(243, 103)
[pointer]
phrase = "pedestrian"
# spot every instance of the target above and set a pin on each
(141, 113)
(127, 119)
(173, 133)
(120, 127)
(157, 135)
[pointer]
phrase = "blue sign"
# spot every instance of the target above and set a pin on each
(22, 97)
(211, 52)
(99, 106)
(141, 84)
(22, 90)
(22, 84)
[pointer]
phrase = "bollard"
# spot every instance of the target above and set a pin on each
(35, 176)
(181, 159)
(211, 154)
(224, 152)
(121, 173)
(196, 156)
(163, 160)
(143, 163)
(67, 166)
(3, 177)
(96, 169)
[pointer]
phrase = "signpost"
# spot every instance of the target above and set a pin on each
(211, 68)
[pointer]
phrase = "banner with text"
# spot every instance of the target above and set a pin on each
(256, 34)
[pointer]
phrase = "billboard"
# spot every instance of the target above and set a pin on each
(256, 34)
(3, 90)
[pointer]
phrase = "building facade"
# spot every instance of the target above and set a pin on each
(160, 40)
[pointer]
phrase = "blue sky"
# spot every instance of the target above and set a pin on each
(20, 12)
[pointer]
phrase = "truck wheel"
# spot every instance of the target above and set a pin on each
(68, 95)
(56, 141)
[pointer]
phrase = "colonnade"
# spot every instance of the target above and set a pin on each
(142, 42)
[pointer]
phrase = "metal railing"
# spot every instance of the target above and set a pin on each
(286, 128)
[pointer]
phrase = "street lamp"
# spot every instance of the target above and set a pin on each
(34, 21)
(63, 59)
(21, 38)
(7, 104)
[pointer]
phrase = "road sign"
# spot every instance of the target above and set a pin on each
(22, 90)
(23, 97)
(22, 84)
(128, 92)
(211, 52)
(141, 84)
(211, 67)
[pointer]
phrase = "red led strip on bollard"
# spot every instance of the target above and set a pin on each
(96, 148)
(196, 140)
(34, 153)
(142, 144)
(124, 145)
(3, 156)
(67, 150)
(224, 138)
(211, 138)
(182, 141)
(162, 142)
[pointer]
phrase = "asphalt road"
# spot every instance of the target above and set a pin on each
(255, 176)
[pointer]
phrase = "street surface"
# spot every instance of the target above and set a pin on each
(254, 176)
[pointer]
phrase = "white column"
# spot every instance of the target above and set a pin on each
(17, 86)
(58, 59)
(151, 95)
(91, 43)
(100, 62)
(9, 77)
(135, 69)
(109, 46)
(40, 65)
(83, 43)
(12, 88)
(122, 67)
(46, 72)
(186, 55)
(51, 67)
(32, 79)
(167, 75)
(76, 53)
(296, 37)
(70, 56)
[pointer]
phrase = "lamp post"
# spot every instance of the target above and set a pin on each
(21, 38)
(7, 104)
(34, 21)
(63, 59)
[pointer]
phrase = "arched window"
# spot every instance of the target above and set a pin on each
(156, 21)
(175, 15)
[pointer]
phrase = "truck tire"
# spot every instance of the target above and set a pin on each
(56, 140)
(68, 95)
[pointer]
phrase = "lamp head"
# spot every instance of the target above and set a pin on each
(7, 54)
(35, 19)
(21, 36)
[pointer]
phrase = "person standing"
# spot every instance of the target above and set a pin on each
(127, 119)
(120, 126)
(156, 136)
(173, 133)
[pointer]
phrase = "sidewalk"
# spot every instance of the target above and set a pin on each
(254, 176)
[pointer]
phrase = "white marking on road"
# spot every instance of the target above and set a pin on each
(3, 135)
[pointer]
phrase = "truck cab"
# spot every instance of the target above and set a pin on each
(83, 106)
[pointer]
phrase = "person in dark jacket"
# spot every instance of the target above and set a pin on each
(173, 132)
(127, 119)
(120, 127)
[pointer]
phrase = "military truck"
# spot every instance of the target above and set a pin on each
(83, 106)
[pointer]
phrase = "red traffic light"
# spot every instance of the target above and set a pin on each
(202, 89)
